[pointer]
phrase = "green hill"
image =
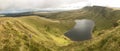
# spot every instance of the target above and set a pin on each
(104, 17)
(107, 40)
(32, 33)
(35, 33)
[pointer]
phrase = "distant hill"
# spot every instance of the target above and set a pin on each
(17, 14)
(104, 17)
(97, 13)
(46, 32)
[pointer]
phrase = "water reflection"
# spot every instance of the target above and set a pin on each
(81, 31)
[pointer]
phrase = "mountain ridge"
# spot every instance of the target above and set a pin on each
(101, 16)
(37, 33)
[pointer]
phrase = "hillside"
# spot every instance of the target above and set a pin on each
(32, 33)
(107, 40)
(35, 33)
(104, 17)
(101, 15)
(46, 32)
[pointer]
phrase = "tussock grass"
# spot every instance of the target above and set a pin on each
(32, 34)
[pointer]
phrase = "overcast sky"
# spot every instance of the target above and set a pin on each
(58, 4)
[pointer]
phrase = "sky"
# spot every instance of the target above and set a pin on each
(108, 3)
(54, 4)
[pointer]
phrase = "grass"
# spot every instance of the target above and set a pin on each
(32, 33)
(107, 40)
(104, 17)
(35, 33)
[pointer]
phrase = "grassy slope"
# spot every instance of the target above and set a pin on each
(32, 34)
(104, 17)
(108, 40)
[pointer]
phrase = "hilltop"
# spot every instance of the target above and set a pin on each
(104, 17)
(46, 32)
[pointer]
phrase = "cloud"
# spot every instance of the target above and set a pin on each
(30, 4)
(108, 3)
(54, 4)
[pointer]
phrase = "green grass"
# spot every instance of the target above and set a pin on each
(107, 40)
(104, 17)
(32, 33)
(35, 33)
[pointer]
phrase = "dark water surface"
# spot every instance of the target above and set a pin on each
(81, 31)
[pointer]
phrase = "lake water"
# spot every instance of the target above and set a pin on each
(81, 31)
